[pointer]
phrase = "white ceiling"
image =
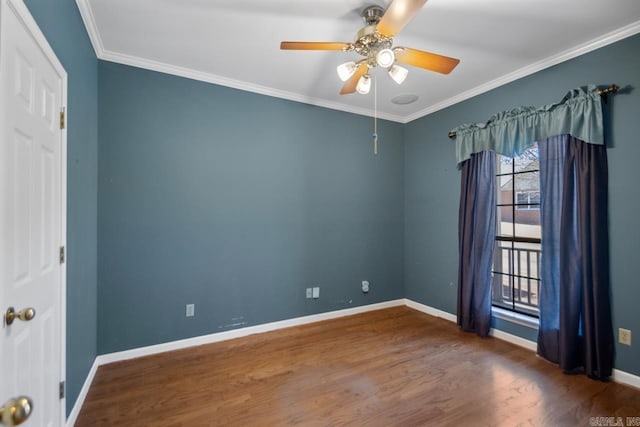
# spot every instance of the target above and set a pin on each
(236, 43)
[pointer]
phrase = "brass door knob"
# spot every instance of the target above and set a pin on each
(25, 314)
(16, 411)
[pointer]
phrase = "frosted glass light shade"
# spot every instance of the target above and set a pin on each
(398, 73)
(385, 58)
(346, 70)
(364, 84)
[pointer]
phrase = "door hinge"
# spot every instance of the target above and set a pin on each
(61, 254)
(61, 389)
(62, 118)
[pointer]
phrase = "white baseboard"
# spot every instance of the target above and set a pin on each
(514, 339)
(618, 376)
(240, 332)
(430, 310)
(623, 377)
(496, 333)
(75, 411)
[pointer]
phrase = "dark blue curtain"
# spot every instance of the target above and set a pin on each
(476, 236)
(576, 330)
(552, 155)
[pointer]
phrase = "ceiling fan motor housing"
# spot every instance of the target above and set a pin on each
(372, 15)
(369, 41)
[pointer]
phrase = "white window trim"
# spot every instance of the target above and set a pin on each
(517, 318)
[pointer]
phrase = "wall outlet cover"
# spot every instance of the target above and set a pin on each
(624, 336)
(316, 292)
(191, 310)
(309, 293)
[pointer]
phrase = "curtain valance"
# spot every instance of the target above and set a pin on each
(579, 114)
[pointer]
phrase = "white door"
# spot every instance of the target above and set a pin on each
(32, 219)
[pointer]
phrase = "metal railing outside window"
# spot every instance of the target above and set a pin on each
(516, 277)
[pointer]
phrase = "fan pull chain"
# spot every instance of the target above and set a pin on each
(375, 116)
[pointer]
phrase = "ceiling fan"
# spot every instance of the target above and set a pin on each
(374, 41)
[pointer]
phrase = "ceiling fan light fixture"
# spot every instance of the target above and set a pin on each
(374, 42)
(364, 85)
(398, 73)
(385, 58)
(346, 70)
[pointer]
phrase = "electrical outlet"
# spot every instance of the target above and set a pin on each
(624, 336)
(191, 310)
(365, 286)
(316, 292)
(309, 293)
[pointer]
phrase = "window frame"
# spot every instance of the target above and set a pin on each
(513, 272)
(528, 205)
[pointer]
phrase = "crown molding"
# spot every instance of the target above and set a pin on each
(604, 40)
(88, 18)
(237, 84)
(90, 24)
(106, 55)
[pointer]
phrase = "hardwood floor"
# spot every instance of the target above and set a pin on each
(392, 367)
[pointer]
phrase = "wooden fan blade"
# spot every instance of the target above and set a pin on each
(350, 85)
(398, 15)
(426, 60)
(314, 46)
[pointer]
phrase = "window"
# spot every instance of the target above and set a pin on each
(527, 200)
(516, 260)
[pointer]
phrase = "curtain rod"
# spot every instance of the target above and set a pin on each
(602, 92)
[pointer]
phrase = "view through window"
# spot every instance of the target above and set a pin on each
(516, 259)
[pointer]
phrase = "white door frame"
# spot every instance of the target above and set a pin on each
(30, 24)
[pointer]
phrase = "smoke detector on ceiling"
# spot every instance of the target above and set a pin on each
(404, 99)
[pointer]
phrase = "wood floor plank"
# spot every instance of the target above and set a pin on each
(391, 367)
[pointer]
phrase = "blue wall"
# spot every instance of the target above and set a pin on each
(236, 202)
(432, 182)
(61, 23)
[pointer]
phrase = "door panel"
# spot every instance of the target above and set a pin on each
(31, 222)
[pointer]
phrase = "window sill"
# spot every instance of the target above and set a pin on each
(517, 318)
